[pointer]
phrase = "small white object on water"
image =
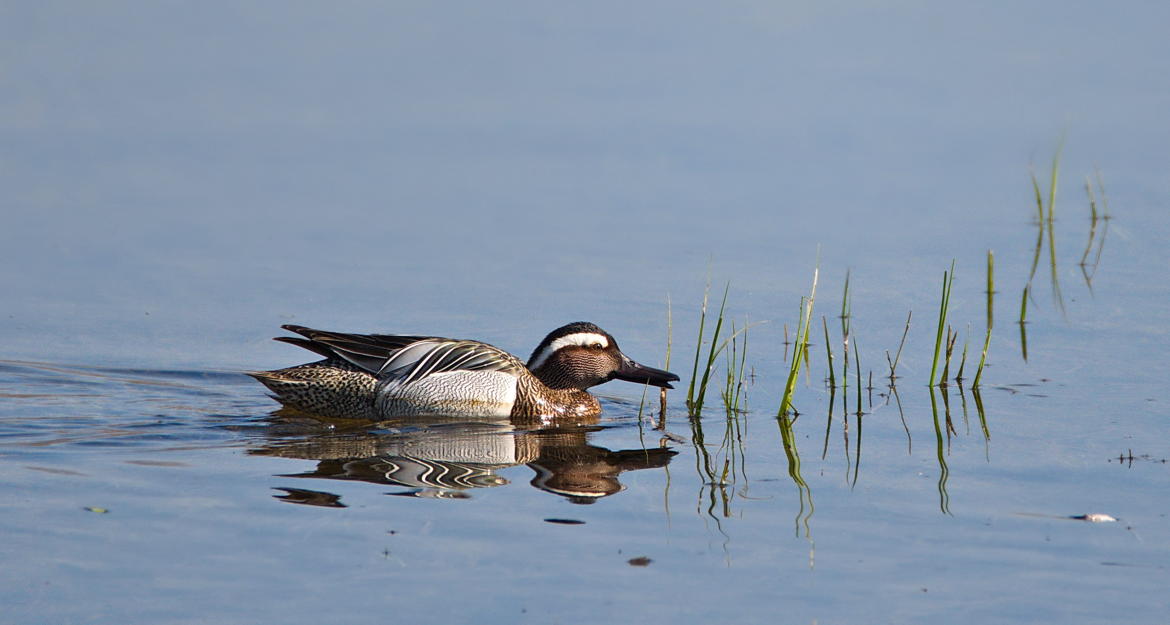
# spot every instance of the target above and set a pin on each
(1096, 517)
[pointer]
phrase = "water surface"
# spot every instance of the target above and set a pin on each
(181, 180)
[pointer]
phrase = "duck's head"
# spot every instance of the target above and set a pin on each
(581, 355)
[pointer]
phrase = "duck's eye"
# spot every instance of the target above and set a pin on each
(597, 346)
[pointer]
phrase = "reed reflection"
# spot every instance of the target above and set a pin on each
(944, 500)
(1046, 231)
(804, 493)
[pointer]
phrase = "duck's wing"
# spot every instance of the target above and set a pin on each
(404, 358)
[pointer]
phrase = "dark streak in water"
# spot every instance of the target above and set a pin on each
(55, 471)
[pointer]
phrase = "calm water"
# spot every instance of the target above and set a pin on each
(180, 180)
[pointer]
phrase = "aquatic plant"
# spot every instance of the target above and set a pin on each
(695, 400)
(898, 355)
(666, 365)
(1086, 272)
(857, 364)
(802, 331)
(963, 360)
(949, 347)
(736, 363)
(1046, 217)
(829, 355)
(990, 317)
(944, 300)
(846, 333)
(697, 389)
(805, 512)
(940, 454)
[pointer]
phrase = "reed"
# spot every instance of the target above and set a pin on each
(641, 430)
(735, 365)
(788, 437)
(666, 365)
(944, 300)
(857, 455)
(1092, 219)
(846, 332)
(1054, 177)
(898, 355)
(669, 333)
(829, 421)
(1105, 217)
(845, 304)
(990, 287)
(990, 317)
(698, 344)
(963, 360)
(829, 354)
(1089, 270)
(944, 500)
(695, 400)
(857, 364)
(1057, 294)
(1047, 221)
(802, 332)
(952, 336)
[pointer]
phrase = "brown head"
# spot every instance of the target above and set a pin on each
(580, 355)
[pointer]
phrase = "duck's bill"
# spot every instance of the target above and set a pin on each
(631, 371)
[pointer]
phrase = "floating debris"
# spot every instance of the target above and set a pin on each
(640, 561)
(96, 510)
(565, 521)
(1094, 518)
(310, 497)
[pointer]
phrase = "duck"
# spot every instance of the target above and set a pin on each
(381, 376)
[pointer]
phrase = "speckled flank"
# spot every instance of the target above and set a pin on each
(330, 388)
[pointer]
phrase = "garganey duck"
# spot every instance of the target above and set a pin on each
(378, 376)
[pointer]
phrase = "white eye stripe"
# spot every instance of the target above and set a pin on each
(583, 339)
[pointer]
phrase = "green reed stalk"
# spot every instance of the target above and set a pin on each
(948, 278)
(802, 332)
(669, 333)
(729, 370)
(845, 304)
(990, 287)
(857, 363)
(829, 354)
(742, 364)
(1054, 178)
(712, 354)
(698, 345)
(990, 317)
(898, 355)
(963, 359)
(952, 336)
(846, 328)
(1039, 196)
(736, 361)
(666, 365)
(1105, 216)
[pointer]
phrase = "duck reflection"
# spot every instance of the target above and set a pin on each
(436, 458)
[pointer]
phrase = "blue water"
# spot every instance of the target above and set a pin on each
(181, 179)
